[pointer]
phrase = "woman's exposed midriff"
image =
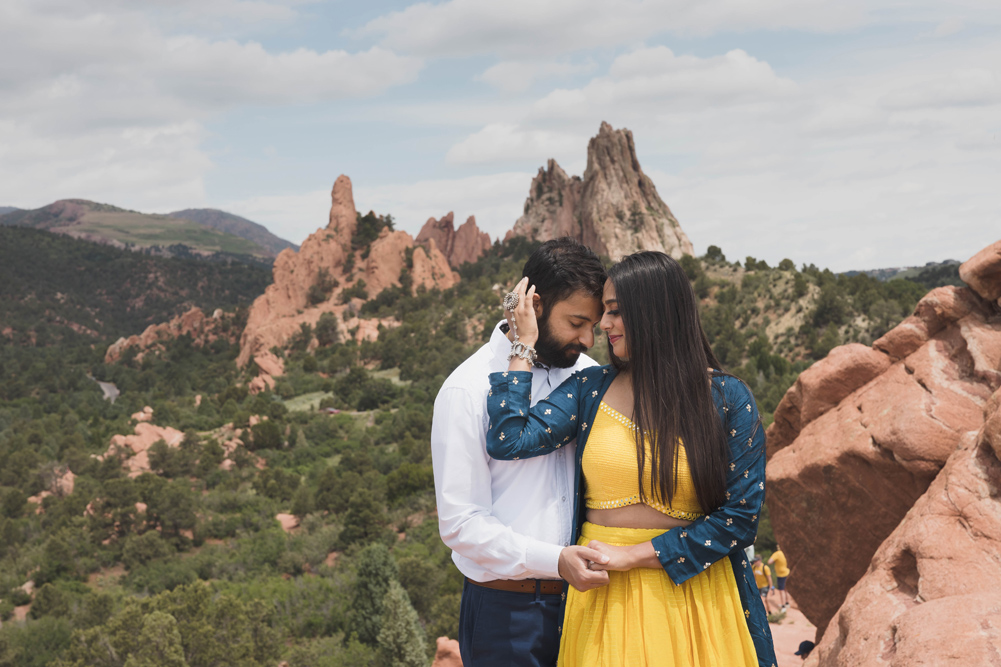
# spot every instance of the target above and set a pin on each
(634, 516)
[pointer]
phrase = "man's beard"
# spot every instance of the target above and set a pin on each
(551, 352)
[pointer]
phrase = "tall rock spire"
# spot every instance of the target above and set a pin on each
(615, 209)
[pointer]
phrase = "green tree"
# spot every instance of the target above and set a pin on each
(401, 639)
(265, 434)
(376, 571)
(141, 549)
(159, 643)
(364, 520)
(302, 502)
(327, 332)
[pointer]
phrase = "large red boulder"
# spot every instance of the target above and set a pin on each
(862, 434)
(932, 593)
(982, 272)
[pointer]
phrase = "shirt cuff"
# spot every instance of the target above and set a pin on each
(543, 559)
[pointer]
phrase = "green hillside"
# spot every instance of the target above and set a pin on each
(235, 225)
(205, 550)
(104, 223)
(56, 290)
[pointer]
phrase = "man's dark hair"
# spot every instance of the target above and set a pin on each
(561, 267)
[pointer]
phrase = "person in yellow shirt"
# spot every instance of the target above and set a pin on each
(763, 578)
(781, 574)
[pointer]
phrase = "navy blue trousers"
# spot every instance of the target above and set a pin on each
(501, 629)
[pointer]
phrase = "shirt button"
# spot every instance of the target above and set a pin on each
(564, 498)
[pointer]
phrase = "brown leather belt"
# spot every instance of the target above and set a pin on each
(546, 586)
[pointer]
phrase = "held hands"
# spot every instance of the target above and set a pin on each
(574, 567)
(625, 558)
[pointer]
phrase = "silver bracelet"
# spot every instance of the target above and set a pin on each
(522, 351)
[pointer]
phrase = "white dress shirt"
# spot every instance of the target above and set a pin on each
(501, 519)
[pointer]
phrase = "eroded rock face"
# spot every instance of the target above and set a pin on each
(982, 272)
(288, 303)
(202, 329)
(860, 437)
(466, 244)
(614, 209)
(932, 594)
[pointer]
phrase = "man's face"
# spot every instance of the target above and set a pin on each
(567, 329)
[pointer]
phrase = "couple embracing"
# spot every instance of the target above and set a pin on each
(638, 484)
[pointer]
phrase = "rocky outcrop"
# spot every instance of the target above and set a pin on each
(310, 282)
(467, 244)
(932, 594)
(446, 653)
(615, 208)
(983, 272)
(859, 438)
(201, 328)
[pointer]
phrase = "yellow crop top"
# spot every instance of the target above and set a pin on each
(610, 470)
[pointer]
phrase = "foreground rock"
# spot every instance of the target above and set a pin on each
(310, 282)
(466, 244)
(932, 595)
(446, 653)
(615, 208)
(861, 435)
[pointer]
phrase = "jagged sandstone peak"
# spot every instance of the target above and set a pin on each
(615, 208)
(343, 218)
(862, 435)
(286, 304)
(466, 244)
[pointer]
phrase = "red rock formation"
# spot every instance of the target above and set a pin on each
(194, 323)
(467, 244)
(932, 594)
(134, 449)
(446, 653)
(615, 209)
(861, 435)
(983, 272)
(285, 306)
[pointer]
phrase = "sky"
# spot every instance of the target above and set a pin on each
(849, 134)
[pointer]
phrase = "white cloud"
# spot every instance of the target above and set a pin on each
(104, 104)
(517, 76)
(504, 142)
(520, 27)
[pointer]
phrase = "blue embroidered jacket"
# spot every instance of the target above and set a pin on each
(518, 431)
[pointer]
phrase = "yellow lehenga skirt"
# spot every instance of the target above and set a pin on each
(642, 618)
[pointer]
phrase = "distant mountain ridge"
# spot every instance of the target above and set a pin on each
(157, 234)
(236, 225)
(932, 274)
(8, 209)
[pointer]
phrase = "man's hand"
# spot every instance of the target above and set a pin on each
(573, 567)
(625, 558)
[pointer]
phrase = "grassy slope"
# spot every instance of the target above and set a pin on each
(110, 224)
(234, 224)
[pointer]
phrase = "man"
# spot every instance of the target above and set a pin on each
(781, 574)
(763, 579)
(509, 523)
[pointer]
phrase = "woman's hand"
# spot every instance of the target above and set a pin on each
(524, 321)
(625, 558)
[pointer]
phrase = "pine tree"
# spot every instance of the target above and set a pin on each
(401, 639)
(376, 570)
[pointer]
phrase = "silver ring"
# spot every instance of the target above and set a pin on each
(511, 301)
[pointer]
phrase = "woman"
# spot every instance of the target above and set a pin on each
(673, 510)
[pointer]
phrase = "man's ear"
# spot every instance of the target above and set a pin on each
(537, 304)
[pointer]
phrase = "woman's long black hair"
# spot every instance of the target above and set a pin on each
(670, 358)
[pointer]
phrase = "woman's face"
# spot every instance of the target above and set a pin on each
(611, 322)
